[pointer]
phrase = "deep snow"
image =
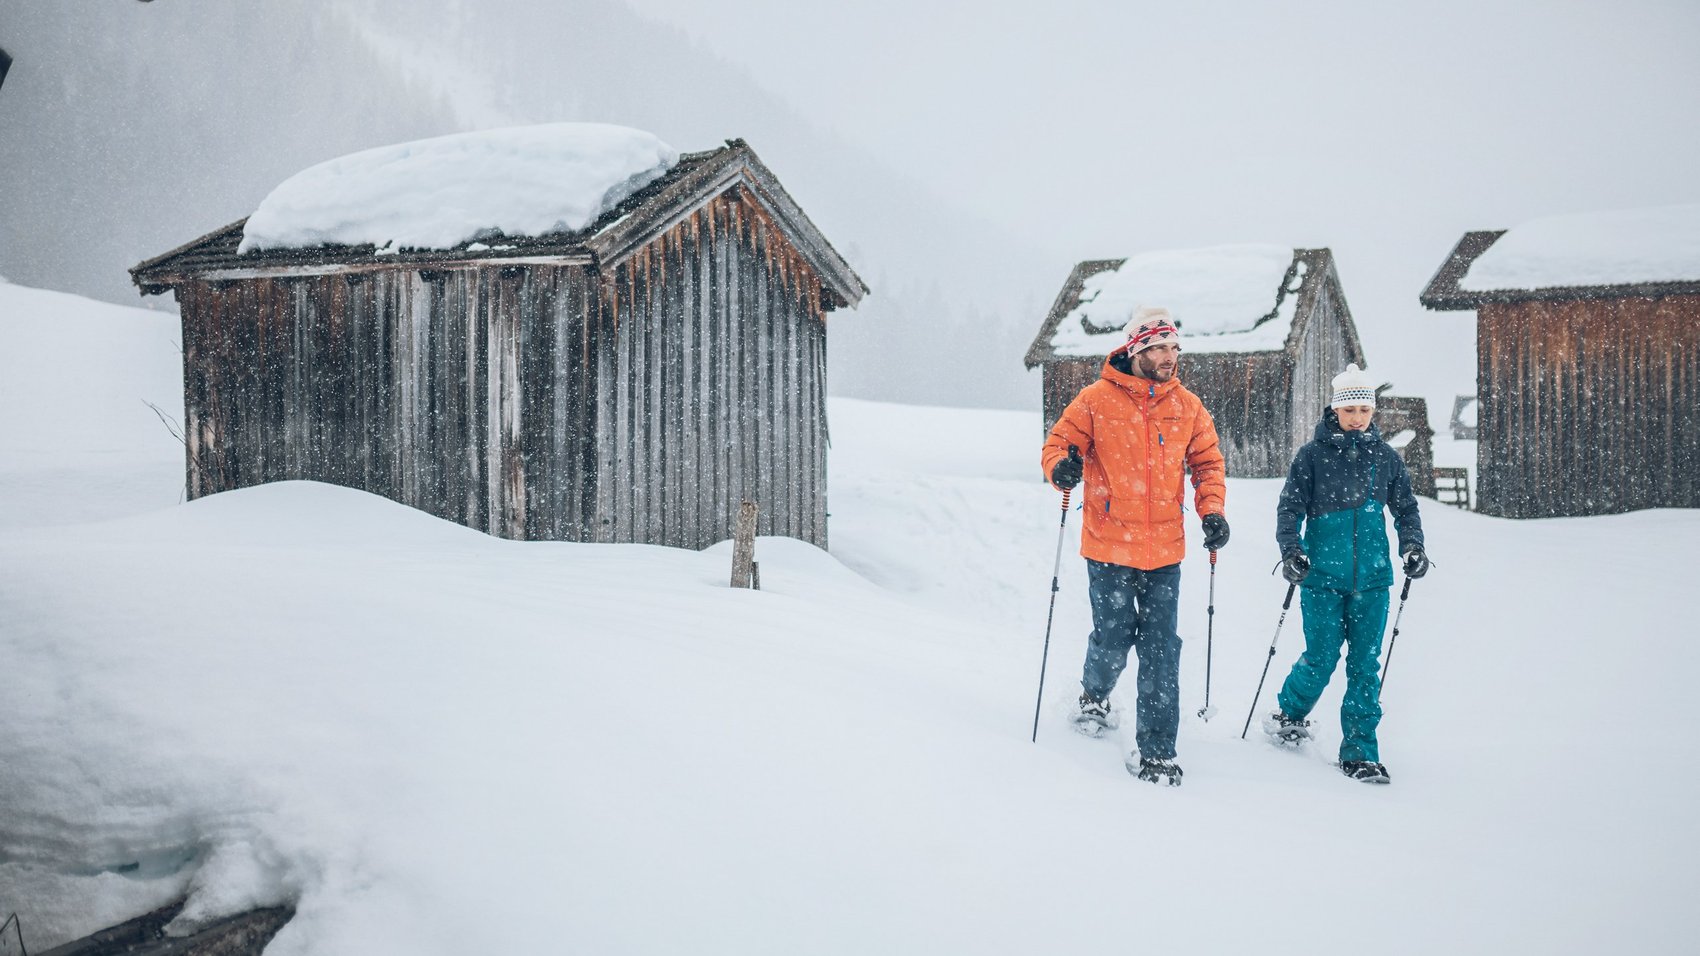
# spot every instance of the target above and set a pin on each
(436, 741)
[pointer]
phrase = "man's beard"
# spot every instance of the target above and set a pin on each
(1151, 370)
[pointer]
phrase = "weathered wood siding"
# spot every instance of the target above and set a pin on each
(1399, 413)
(1323, 353)
(1246, 393)
(531, 401)
(454, 391)
(1588, 407)
(713, 387)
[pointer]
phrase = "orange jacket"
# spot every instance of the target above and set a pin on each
(1138, 437)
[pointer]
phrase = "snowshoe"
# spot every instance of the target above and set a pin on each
(1286, 731)
(1365, 771)
(1154, 770)
(1094, 717)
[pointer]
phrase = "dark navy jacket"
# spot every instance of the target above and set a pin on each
(1336, 490)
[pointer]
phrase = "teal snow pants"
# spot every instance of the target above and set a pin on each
(1332, 618)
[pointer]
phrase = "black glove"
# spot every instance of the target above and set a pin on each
(1294, 567)
(1215, 532)
(1416, 562)
(1067, 472)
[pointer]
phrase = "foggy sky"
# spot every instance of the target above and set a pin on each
(962, 155)
(1384, 131)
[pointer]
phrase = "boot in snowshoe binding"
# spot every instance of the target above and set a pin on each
(1365, 771)
(1094, 716)
(1287, 731)
(1155, 770)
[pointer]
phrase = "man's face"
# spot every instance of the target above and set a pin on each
(1355, 418)
(1158, 362)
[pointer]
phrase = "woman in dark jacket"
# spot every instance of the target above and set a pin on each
(1336, 491)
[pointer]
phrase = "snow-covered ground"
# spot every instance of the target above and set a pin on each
(435, 741)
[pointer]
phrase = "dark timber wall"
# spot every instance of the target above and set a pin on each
(1588, 406)
(534, 400)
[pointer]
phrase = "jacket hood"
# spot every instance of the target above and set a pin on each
(1118, 368)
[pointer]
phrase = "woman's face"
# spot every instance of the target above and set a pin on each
(1355, 418)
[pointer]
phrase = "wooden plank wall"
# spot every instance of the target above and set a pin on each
(713, 387)
(1246, 393)
(1322, 354)
(537, 401)
(1397, 413)
(458, 392)
(1588, 407)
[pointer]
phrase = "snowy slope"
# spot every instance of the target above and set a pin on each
(435, 741)
(77, 438)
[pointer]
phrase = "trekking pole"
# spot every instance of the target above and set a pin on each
(1208, 711)
(1284, 606)
(1404, 593)
(1056, 569)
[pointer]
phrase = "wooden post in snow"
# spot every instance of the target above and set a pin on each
(744, 547)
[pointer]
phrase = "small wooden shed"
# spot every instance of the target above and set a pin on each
(1587, 361)
(628, 382)
(1264, 330)
(1403, 423)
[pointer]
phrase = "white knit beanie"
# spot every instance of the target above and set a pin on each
(1352, 387)
(1151, 326)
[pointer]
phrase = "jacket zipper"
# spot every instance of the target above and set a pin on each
(1355, 511)
(1369, 489)
(1151, 394)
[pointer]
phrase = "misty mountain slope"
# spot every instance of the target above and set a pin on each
(133, 128)
(433, 741)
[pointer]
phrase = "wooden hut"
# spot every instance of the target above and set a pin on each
(627, 382)
(1264, 330)
(1403, 423)
(1587, 361)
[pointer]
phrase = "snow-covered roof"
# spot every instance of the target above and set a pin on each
(1226, 299)
(1645, 252)
(1627, 246)
(438, 193)
(626, 217)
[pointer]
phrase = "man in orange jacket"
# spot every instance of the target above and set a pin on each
(1138, 431)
